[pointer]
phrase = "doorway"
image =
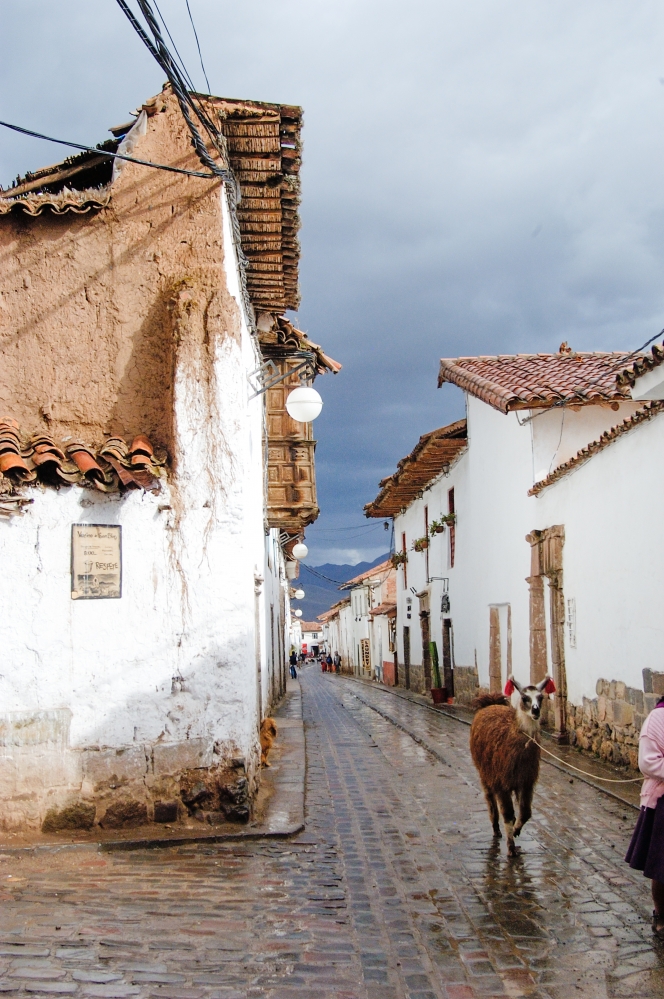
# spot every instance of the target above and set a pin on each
(547, 623)
(448, 657)
(406, 656)
(500, 646)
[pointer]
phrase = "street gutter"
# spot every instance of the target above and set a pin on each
(458, 713)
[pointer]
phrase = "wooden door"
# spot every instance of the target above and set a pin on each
(406, 655)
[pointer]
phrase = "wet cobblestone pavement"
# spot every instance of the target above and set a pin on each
(394, 890)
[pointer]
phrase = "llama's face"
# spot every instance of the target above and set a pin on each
(531, 697)
(531, 702)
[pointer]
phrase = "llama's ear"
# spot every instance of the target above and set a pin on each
(510, 687)
(547, 685)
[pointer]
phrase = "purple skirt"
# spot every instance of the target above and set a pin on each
(646, 849)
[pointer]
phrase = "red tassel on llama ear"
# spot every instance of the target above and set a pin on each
(550, 687)
(509, 688)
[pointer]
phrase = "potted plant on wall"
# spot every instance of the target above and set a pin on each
(449, 518)
(437, 527)
(438, 692)
(420, 544)
(398, 558)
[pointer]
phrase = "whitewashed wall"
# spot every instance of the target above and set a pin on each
(166, 677)
(613, 566)
(491, 480)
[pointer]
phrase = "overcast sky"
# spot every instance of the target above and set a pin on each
(479, 177)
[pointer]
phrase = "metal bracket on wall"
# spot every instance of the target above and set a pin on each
(268, 375)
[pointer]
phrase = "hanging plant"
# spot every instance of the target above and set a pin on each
(421, 544)
(437, 527)
(398, 558)
(449, 518)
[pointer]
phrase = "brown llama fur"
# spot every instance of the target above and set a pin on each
(268, 734)
(506, 757)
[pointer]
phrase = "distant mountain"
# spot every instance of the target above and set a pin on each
(321, 585)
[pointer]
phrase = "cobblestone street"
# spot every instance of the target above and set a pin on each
(395, 889)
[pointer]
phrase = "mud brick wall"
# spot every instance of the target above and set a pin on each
(609, 725)
(466, 684)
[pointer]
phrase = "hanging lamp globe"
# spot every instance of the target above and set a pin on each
(304, 404)
(299, 595)
(300, 550)
(298, 613)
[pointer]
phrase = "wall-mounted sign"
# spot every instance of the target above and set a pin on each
(96, 561)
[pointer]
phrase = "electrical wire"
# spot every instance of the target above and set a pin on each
(184, 69)
(198, 46)
(105, 152)
(159, 50)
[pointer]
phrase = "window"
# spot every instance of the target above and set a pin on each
(405, 571)
(452, 527)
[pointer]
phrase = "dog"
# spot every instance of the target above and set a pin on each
(268, 735)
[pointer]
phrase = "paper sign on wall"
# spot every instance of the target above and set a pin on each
(96, 561)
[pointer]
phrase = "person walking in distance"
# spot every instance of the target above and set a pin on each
(337, 662)
(646, 849)
(293, 665)
(328, 660)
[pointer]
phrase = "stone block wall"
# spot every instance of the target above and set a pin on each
(609, 724)
(466, 684)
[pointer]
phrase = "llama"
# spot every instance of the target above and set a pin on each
(506, 758)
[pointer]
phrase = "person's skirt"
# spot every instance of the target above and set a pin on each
(646, 849)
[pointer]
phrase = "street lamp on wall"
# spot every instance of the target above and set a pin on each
(304, 404)
(300, 550)
(298, 595)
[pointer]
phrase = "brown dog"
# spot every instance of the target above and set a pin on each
(268, 735)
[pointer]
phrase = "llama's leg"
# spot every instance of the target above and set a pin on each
(493, 811)
(525, 797)
(507, 808)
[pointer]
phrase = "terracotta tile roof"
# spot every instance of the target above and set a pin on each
(641, 416)
(282, 338)
(425, 463)
(378, 570)
(334, 610)
(646, 362)
(526, 381)
(310, 626)
(114, 466)
(384, 610)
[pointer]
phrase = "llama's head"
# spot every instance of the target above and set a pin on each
(529, 707)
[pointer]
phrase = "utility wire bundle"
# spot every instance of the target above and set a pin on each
(191, 109)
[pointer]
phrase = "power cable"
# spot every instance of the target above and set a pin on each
(159, 50)
(198, 46)
(105, 152)
(185, 72)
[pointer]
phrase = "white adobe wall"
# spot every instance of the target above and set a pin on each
(612, 564)
(164, 678)
(491, 480)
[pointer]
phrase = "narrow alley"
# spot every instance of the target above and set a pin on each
(395, 888)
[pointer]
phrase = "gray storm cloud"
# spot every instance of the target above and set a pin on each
(480, 177)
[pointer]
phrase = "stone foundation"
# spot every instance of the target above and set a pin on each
(609, 725)
(466, 684)
(45, 784)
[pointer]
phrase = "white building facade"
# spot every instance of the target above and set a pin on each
(145, 594)
(533, 572)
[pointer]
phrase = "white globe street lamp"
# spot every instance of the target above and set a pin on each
(298, 613)
(304, 404)
(298, 595)
(300, 551)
